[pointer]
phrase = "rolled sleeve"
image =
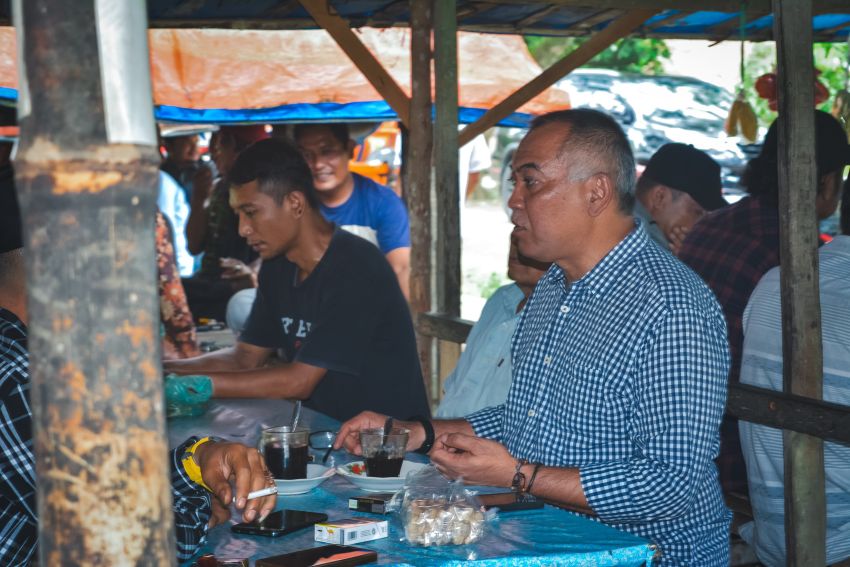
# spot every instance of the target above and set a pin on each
(681, 395)
(487, 423)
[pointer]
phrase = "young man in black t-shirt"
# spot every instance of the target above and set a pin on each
(327, 299)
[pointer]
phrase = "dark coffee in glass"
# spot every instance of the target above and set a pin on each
(286, 452)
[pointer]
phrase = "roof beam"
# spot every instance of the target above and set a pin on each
(320, 10)
(752, 6)
(536, 16)
(598, 42)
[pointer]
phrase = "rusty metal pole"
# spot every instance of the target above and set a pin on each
(87, 176)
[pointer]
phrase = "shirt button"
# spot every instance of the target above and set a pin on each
(565, 308)
(531, 413)
(547, 360)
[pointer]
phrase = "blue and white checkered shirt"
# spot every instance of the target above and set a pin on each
(622, 374)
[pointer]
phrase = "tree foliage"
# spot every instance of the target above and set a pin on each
(635, 55)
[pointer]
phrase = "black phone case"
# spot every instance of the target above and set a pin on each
(254, 529)
(307, 557)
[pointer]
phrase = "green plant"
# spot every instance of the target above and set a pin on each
(634, 55)
(494, 281)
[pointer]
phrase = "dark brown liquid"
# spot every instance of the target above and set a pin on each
(288, 464)
(383, 466)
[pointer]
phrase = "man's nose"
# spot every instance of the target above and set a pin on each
(244, 228)
(515, 200)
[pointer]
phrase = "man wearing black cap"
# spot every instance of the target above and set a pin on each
(679, 185)
(731, 249)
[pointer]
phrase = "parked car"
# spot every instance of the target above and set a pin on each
(653, 111)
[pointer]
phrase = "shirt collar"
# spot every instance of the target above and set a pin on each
(606, 272)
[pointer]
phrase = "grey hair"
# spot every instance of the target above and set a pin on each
(600, 141)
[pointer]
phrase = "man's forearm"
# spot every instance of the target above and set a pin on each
(276, 382)
(224, 360)
(560, 486)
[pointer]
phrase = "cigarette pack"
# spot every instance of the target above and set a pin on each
(351, 531)
(373, 503)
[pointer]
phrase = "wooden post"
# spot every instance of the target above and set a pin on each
(338, 28)
(805, 500)
(446, 176)
(417, 160)
(87, 177)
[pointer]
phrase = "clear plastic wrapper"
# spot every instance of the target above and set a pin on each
(434, 510)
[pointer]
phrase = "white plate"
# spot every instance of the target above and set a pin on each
(374, 483)
(316, 475)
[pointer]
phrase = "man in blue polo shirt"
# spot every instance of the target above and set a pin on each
(353, 202)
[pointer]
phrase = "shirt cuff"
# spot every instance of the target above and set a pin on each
(487, 423)
(605, 491)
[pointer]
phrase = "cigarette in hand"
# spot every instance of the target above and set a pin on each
(260, 493)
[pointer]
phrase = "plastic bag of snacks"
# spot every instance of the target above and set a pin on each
(436, 511)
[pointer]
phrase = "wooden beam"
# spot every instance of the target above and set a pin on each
(447, 237)
(805, 500)
(787, 411)
(672, 18)
(597, 43)
(595, 19)
(536, 16)
(751, 6)
(320, 11)
(444, 327)
(417, 189)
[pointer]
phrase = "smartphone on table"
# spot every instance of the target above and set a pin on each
(510, 501)
(280, 523)
(330, 555)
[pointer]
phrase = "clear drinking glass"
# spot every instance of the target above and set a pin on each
(384, 454)
(285, 451)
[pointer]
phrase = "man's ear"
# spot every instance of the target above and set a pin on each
(600, 193)
(658, 197)
(295, 200)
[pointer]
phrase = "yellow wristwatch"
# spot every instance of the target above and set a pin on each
(191, 466)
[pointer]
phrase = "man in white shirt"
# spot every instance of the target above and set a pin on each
(483, 373)
(762, 366)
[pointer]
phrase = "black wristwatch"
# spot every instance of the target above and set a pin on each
(429, 433)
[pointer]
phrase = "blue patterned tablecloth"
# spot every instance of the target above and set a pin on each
(549, 536)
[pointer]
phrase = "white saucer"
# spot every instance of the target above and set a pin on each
(316, 475)
(374, 483)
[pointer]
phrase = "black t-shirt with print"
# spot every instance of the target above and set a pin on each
(349, 317)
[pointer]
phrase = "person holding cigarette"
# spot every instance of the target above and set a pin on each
(201, 469)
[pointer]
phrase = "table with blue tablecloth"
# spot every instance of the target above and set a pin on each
(549, 536)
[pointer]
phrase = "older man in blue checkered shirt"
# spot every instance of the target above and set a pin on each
(620, 359)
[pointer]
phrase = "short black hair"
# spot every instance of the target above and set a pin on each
(597, 134)
(339, 130)
(277, 167)
(845, 208)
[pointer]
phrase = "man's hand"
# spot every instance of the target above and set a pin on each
(676, 237)
(478, 461)
(222, 462)
(202, 184)
(349, 433)
(239, 272)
